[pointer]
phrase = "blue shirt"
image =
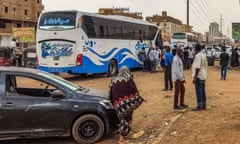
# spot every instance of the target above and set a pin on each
(168, 59)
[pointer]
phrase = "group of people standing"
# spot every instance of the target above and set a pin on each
(174, 73)
(126, 98)
(151, 58)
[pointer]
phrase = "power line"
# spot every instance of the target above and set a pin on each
(202, 9)
(200, 18)
(209, 11)
(195, 14)
(198, 14)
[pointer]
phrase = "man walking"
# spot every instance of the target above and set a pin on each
(168, 69)
(224, 57)
(199, 74)
(178, 79)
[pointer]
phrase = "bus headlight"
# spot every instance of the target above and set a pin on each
(106, 104)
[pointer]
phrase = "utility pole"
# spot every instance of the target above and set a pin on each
(187, 15)
(221, 25)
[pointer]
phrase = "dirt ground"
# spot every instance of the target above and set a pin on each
(155, 122)
(219, 124)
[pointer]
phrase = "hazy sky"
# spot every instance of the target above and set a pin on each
(202, 12)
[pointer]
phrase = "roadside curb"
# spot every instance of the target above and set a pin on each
(165, 130)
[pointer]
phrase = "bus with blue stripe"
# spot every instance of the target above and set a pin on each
(86, 43)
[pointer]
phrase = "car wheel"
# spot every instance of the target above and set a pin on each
(88, 129)
(112, 68)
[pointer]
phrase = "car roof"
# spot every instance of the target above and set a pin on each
(19, 69)
(3, 49)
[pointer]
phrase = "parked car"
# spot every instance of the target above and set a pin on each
(209, 48)
(29, 57)
(229, 51)
(35, 104)
(5, 56)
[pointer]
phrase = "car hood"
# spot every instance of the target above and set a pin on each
(94, 93)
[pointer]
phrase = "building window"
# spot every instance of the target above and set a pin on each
(2, 24)
(19, 25)
(38, 1)
(6, 9)
(38, 14)
(14, 9)
(25, 12)
(26, 0)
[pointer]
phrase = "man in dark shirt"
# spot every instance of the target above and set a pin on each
(168, 69)
(224, 57)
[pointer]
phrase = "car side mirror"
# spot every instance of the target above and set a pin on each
(57, 94)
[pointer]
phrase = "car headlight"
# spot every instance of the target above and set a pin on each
(106, 104)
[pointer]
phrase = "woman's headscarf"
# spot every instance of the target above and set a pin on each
(123, 74)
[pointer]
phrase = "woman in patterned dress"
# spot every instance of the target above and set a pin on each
(125, 98)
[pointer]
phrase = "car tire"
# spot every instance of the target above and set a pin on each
(112, 68)
(88, 129)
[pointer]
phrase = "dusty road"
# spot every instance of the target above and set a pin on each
(219, 124)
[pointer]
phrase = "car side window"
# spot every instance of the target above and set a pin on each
(28, 86)
(10, 85)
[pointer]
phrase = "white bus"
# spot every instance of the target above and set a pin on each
(184, 39)
(86, 43)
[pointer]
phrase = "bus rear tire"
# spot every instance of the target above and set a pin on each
(112, 68)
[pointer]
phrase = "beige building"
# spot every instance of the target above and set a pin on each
(17, 14)
(186, 28)
(167, 24)
(120, 11)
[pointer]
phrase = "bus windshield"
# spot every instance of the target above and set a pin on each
(58, 21)
(179, 36)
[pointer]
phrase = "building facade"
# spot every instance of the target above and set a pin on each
(17, 14)
(186, 28)
(120, 11)
(167, 24)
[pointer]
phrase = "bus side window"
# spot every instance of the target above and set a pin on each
(111, 31)
(101, 32)
(125, 33)
(118, 32)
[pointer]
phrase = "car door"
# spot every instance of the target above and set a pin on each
(29, 110)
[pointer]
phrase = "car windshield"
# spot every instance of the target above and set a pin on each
(62, 81)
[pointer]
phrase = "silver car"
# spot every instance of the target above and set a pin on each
(217, 49)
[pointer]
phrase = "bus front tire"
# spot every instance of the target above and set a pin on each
(112, 69)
